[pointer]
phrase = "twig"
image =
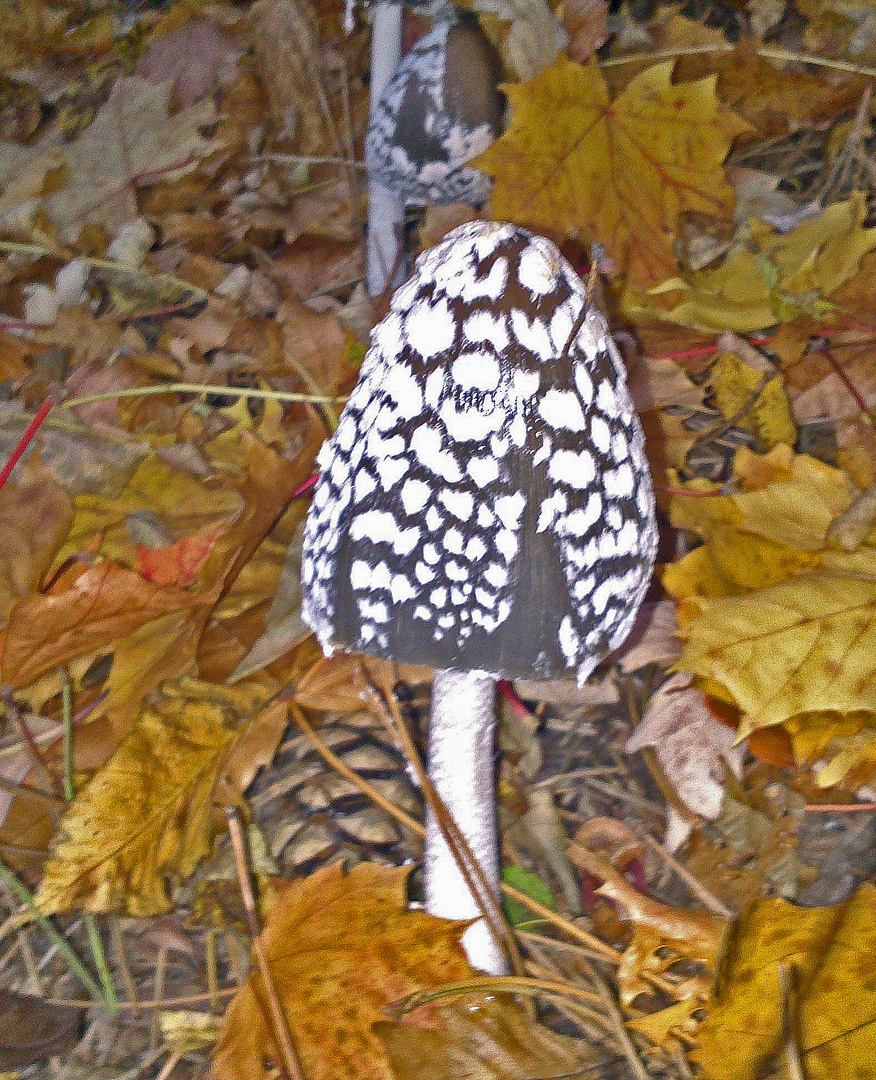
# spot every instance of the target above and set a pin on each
(279, 1022)
(25, 440)
(606, 952)
(840, 808)
(198, 388)
(110, 998)
(73, 962)
(36, 754)
(155, 1003)
(623, 1036)
(169, 1066)
(782, 55)
(696, 887)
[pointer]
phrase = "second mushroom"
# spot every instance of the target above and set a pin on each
(485, 508)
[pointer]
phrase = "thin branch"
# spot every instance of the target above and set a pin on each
(278, 1019)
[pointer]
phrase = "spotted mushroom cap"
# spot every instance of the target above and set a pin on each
(485, 502)
(441, 108)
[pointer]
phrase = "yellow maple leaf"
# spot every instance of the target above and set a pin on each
(768, 416)
(829, 992)
(802, 645)
(772, 277)
(143, 816)
(620, 172)
(761, 535)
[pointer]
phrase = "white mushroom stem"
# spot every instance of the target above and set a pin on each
(385, 210)
(462, 729)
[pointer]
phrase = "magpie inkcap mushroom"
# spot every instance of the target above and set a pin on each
(484, 507)
(441, 108)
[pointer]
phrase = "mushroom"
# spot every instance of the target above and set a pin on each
(484, 507)
(441, 108)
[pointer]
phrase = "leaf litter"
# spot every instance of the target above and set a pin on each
(181, 217)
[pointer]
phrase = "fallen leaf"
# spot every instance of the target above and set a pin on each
(619, 172)
(826, 954)
(133, 141)
(341, 947)
(693, 747)
(773, 277)
(141, 818)
(755, 406)
(35, 514)
(527, 33)
(487, 1037)
(103, 604)
(803, 645)
(586, 22)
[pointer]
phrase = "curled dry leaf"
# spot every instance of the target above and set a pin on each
(661, 935)
(694, 750)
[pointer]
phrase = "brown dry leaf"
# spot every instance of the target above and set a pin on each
(290, 59)
(774, 101)
(652, 640)
(694, 749)
(314, 345)
(827, 956)
(23, 172)
(196, 58)
(133, 141)
(35, 515)
(334, 683)
(487, 1037)
(102, 604)
(255, 743)
(661, 935)
(527, 33)
(586, 22)
(619, 172)
(341, 947)
(141, 818)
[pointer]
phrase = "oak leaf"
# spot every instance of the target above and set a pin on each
(619, 172)
(142, 817)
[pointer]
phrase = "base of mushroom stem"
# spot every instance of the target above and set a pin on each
(462, 728)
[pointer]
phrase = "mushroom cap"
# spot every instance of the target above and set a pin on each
(441, 108)
(485, 502)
